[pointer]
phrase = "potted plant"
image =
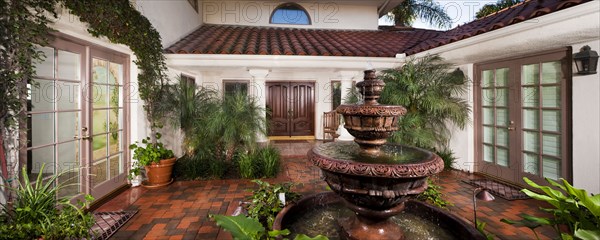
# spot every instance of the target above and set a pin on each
(157, 160)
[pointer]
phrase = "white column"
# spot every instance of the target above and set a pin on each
(346, 82)
(259, 91)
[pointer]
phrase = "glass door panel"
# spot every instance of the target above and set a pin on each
(495, 116)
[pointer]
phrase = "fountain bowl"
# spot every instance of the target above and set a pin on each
(458, 227)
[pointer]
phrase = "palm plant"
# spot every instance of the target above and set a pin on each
(186, 105)
(430, 93)
(495, 7)
(409, 10)
(233, 125)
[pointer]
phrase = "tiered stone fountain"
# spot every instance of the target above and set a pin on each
(375, 180)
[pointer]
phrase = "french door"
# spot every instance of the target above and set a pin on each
(291, 107)
(522, 117)
(76, 118)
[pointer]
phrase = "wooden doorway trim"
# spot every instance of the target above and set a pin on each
(291, 107)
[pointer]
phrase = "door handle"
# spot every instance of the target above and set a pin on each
(290, 112)
(84, 136)
(510, 128)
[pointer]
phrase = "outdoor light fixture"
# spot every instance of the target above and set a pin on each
(482, 194)
(586, 60)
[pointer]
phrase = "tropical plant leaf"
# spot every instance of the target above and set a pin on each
(592, 203)
(304, 237)
(524, 222)
(587, 234)
(240, 227)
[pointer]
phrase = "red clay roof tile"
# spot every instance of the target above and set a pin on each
(230, 39)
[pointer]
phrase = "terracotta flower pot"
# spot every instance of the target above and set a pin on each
(160, 174)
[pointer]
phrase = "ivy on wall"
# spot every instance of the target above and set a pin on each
(121, 23)
(24, 25)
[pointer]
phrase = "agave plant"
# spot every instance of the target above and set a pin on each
(430, 92)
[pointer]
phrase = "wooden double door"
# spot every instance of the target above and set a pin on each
(291, 108)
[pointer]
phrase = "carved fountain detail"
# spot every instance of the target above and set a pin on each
(374, 189)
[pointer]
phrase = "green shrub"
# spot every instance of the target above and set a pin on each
(433, 195)
(37, 212)
(242, 227)
(269, 161)
(448, 156)
(246, 163)
(573, 208)
(265, 203)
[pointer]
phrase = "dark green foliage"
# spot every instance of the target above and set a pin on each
(37, 212)
(448, 156)
(187, 105)
(481, 229)
(428, 10)
(148, 153)
(246, 228)
(431, 94)
(433, 195)
(495, 7)
(265, 203)
(573, 208)
(261, 162)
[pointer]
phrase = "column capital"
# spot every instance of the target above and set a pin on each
(259, 73)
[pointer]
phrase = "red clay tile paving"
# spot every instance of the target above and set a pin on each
(180, 211)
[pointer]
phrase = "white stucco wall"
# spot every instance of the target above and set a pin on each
(586, 126)
(173, 19)
(575, 27)
(323, 14)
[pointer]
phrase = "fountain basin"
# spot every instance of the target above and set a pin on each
(375, 182)
(439, 224)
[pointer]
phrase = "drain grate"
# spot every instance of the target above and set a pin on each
(107, 223)
(499, 189)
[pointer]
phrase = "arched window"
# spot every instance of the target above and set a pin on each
(290, 13)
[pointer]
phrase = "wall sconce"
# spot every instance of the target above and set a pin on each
(586, 61)
(482, 194)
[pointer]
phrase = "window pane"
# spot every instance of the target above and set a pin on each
(99, 171)
(502, 117)
(488, 116)
(99, 148)
(487, 78)
(115, 166)
(68, 65)
(551, 72)
(531, 163)
(502, 77)
(68, 125)
(68, 162)
(232, 88)
(551, 144)
(502, 155)
(531, 141)
(530, 96)
(487, 97)
(45, 67)
(502, 137)
(99, 71)
(551, 96)
(68, 95)
(115, 74)
(488, 135)
(530, 119)
(100, 121)
(43, 95)
(551, 120)
(42, 129)
(501, 97)
(114, 96)
(39, 157)
(551, 168)
(114, 139)
(290, 15)
(488, 153)
(530, 74)
(100, 96)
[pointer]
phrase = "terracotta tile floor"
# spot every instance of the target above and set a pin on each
(180, 211)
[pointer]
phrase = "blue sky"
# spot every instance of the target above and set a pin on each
(461, 11)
